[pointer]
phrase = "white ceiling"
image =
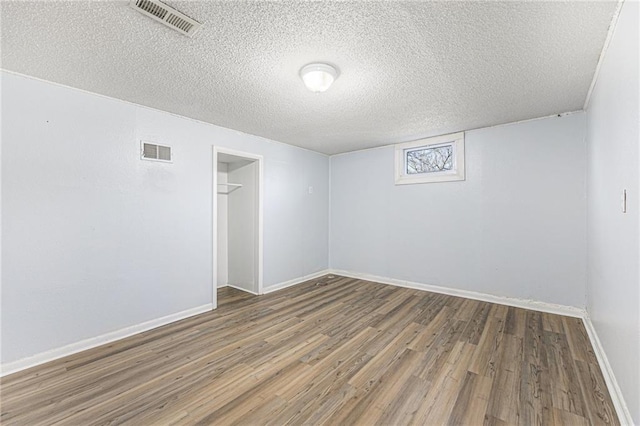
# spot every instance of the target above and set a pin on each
(408, 69)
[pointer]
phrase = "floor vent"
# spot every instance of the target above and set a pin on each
(166, 15)
(151, 151)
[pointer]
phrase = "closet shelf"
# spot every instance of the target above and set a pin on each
(231, 187)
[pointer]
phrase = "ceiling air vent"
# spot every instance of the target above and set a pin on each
(154, 152)
(167, 15)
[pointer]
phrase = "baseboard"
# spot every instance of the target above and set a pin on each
(83, 345)
(612, 384)
(534, 305)
(295, 281)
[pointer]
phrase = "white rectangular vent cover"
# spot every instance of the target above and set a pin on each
(166, 15)
(151, 151)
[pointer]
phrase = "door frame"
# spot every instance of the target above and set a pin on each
(259, 159)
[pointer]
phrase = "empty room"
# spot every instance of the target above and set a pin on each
(320, 212)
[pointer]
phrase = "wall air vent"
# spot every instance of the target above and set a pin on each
(166, 15)
(154, 152)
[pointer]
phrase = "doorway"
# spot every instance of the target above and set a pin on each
(237, 221)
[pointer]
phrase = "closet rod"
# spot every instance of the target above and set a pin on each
(233, 187)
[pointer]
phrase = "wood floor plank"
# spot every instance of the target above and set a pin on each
(488, 348)
(404, 410)
(597, 400)
(318, 397)
(504, 398)
(376, 390)
(535, 388)
(516, 321)
(332, 350)
(565, 387)
(578, 340)
(472, 400)
(440, 402)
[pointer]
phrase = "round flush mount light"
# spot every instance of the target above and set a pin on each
(318, 77)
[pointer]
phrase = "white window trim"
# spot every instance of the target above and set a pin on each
(402, 178)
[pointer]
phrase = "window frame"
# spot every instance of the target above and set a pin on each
(456, 174)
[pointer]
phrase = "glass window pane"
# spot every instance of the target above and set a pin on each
(429, 159)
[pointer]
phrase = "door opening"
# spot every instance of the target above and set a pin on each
(237, 221)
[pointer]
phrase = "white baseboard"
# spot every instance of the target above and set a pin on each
(534, 305)
(612, 384)
(83, 345)
(295, 281)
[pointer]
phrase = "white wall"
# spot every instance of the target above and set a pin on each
(243, 232)
(613, 285)
(223, 226)
(94, 239)
(515, 227)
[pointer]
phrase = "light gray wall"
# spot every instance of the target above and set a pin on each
(613, 285)
(243, 233)
(94, 239)
(515, 227)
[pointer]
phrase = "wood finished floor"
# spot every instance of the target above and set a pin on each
(333, 351)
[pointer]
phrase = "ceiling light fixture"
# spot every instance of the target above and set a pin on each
(318, 77)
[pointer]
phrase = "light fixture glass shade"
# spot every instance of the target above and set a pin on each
(318, 77)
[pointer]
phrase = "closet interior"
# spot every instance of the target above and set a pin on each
(237, 227)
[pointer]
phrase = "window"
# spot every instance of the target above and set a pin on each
(438, 159)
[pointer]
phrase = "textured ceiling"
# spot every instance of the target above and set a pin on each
(408, 69)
